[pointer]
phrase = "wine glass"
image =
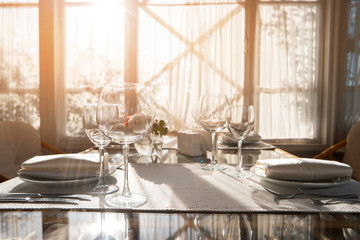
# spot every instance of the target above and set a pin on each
(100, 141)
(252, 119)
(210, 114)
(126, 122)
(239, 121)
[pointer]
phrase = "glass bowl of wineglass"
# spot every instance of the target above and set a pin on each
(211, 115)
(124, 115)
(239, 121)
(100, 141)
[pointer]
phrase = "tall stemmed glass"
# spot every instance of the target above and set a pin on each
(252, 119)
(210, 114)
(239, 122)
(100, 141)
(127, 123)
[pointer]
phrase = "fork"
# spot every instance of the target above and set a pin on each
(302, 192)
(333, 201)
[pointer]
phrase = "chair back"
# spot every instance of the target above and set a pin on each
(352, 150)
(19, 141)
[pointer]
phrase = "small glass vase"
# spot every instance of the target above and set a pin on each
(150, 147)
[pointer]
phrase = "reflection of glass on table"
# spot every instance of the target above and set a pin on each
(50, 224)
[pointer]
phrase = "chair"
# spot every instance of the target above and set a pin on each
(329, 152)
(352, 150)
(19, 141)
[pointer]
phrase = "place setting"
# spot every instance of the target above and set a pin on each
(62, 170)
(59, 179)
(113, 119)
(252, 141)
(322, 181)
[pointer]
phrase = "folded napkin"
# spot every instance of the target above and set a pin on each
(302, 169)
(190, 143)
(61, 167)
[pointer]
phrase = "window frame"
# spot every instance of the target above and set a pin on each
(52, 68)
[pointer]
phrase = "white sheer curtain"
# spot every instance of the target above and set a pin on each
(19, 62)
(94, 43)
(194, 49)
(287, 76)
(91, 54)
(185, 49)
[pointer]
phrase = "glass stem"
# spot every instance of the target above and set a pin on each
(102, 180)
(239, 166)
(213, 143)
(126, 189)
(102, 223)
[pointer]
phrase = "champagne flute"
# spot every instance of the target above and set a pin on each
(100, 141)
(126, 122)
(239, 121)
(210, 114)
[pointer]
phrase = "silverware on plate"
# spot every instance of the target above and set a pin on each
(334, 201)
(81, 197)
(20, 195)
(302, 192)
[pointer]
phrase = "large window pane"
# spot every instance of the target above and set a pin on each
(288, 83)
(19, 63)
(265, 51)
(185, 51)
(94, 55)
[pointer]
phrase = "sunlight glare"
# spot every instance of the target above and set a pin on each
(104, 6)
(106, 3)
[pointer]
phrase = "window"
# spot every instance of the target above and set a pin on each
(349, 104)
(19, 61)
(266, 53)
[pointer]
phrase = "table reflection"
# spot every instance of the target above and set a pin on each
(138, 225)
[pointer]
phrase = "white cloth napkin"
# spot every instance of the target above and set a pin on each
(61, 167)
(190, 143)
(302, 169)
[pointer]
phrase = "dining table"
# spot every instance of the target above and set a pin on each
(185, 202)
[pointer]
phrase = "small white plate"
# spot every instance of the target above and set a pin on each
(304, 185)
(57, 183)
(72, 182)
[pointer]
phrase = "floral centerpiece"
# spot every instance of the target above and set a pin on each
(159, 128)
(152, 143)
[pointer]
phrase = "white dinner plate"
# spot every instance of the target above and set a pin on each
(299, 184)
(72, 182)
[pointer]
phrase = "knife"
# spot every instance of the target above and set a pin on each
(20, 195)
(81, 197)
(51, 195)
(36, 200)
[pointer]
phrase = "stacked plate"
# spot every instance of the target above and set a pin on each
(61, 169)
(302, 172)
(227, 139)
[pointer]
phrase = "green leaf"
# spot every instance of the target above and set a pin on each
(159, 128)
